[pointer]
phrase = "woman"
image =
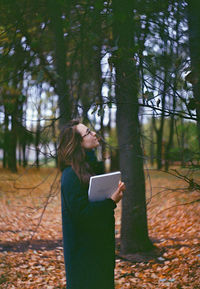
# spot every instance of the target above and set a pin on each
(88, 227)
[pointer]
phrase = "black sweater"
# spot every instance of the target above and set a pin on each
(88, 234)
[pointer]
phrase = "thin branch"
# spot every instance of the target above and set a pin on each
(178, 205)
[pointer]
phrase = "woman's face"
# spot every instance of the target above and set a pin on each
(89, 139)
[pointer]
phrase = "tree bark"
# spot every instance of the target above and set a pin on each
(134, 232)
(159, 130)
(174, 100)
(182, 142)
(60, 62)
(19, 155)
(12, 160)
(152, 142)
(37, 138)
(6, 142)
(24, 154)
(169, 144)
(194, 44)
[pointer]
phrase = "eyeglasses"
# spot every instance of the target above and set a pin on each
(87, 132)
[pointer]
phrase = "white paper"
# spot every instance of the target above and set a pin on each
(103, 186)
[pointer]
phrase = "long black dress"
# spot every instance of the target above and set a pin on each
(88, 234)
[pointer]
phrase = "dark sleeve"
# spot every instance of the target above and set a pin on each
(76, 200)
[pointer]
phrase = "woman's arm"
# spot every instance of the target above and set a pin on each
(76, 200)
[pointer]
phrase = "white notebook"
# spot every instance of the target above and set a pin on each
(103, 186)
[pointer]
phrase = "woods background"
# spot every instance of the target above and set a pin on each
(129, 70)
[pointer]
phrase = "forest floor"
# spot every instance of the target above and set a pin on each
(173, 228)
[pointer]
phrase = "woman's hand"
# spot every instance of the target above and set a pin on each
(118, 194)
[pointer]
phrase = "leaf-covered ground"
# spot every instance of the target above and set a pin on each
(39, 263)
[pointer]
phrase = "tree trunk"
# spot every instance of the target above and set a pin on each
(169, 144)
(45, 154)
(114, 158)
(55, 143)
(19, 155)
(12, 135)
(12, 160)
(37, 134)
(134, 232)
(62, 89)
(97, 66)
(194, 43)
(172, 119)
(182, 142)
(171, 129)
(152, 142)
(37, 149)
(160, 144)
(24, 154)
(6, 142)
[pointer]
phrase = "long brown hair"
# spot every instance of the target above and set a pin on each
(70, 151)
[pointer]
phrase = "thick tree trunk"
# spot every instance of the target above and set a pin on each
(97, 66)
(194, 37)
(60, 62)
(134, 232)
(102, 130)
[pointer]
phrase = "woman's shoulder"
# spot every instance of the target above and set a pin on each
(68, 175)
